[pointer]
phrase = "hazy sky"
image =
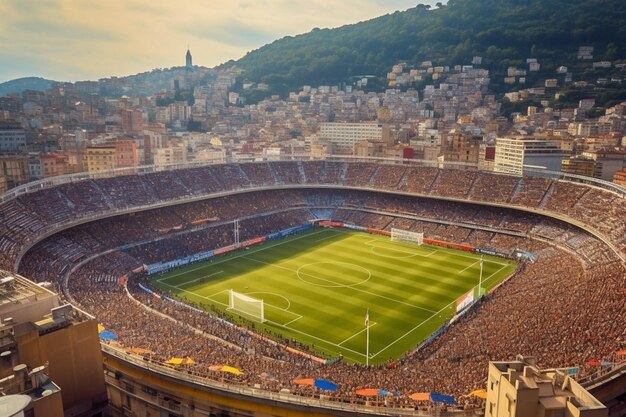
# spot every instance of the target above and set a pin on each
(90, 39)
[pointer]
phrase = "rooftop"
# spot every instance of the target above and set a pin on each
(15, 289)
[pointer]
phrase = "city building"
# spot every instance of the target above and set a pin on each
(346, 135)
(132, 120)
(50, 352)
(519, 389)
(14, 167)
(609, 162)
(126, 153)
(581, 165)
(369, 148)
(463, 149)
(620, 177)
(12, 139)
(516, 153)
(509, 156)
(174, 154)
(98, 158)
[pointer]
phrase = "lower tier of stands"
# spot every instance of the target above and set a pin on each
(565, 309)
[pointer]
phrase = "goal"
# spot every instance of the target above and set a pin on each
(407, 236)
(249, 306)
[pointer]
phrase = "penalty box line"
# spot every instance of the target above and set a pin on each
(194, 294)
(319, 338)
(193, 280)
(411, 331)
(428, 319)
(383, 242)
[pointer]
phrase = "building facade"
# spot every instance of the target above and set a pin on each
(509, 158)
(50, 352)
(519, 389)
(12, 140)
(99, 158)
(345, 135)
(620, 177)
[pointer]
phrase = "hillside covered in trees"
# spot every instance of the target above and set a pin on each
(503, 32)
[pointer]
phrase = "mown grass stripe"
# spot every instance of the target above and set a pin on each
(402, 294)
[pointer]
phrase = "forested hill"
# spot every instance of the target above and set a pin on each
(27, 83)
(503, 32)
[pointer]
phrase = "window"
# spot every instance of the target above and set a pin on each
(509, 404)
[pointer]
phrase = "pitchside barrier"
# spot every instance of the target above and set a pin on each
(165, 266)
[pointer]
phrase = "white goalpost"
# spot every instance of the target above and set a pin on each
(247, 305)
(407, 236)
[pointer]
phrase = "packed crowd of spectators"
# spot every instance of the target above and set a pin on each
(565, 318)
(543, 315)
(26, 217)
(174, 232)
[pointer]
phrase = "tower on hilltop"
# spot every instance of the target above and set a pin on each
(188, 62)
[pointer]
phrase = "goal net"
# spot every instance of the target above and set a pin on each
(249, 306)
(407, 236)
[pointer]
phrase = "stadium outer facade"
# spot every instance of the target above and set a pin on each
(136, 385)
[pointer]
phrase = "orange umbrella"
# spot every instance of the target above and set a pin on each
(480, 393)
(304, 381)
(368, 392)
(621, 352)
(420, 396)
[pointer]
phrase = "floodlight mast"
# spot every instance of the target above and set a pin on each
(236, 231)
(367, 337)
(480, 281)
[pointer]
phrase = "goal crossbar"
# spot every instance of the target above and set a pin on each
(407, 236)
(247, 305)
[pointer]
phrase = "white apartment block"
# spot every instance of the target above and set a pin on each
(12, 140)
(509, 156)
(345, 135)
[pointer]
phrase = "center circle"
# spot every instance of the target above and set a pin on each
(333, 274)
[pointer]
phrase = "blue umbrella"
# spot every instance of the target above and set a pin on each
(327, 385)
(442, 398)
(107, 335)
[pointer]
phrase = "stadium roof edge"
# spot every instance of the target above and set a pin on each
(45, 183)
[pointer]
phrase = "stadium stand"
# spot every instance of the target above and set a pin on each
(84, 235)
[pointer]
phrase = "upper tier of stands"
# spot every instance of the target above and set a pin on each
(36, 210)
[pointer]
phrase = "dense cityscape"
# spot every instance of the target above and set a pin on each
(193, 114)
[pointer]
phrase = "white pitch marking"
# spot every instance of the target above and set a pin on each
(465, 269)
(197, 279)
(356, 334)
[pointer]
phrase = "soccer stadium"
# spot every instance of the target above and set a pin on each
(328, 286)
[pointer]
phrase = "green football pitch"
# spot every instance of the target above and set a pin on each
(317, 287)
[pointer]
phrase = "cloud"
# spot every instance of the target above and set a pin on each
(90, 39)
